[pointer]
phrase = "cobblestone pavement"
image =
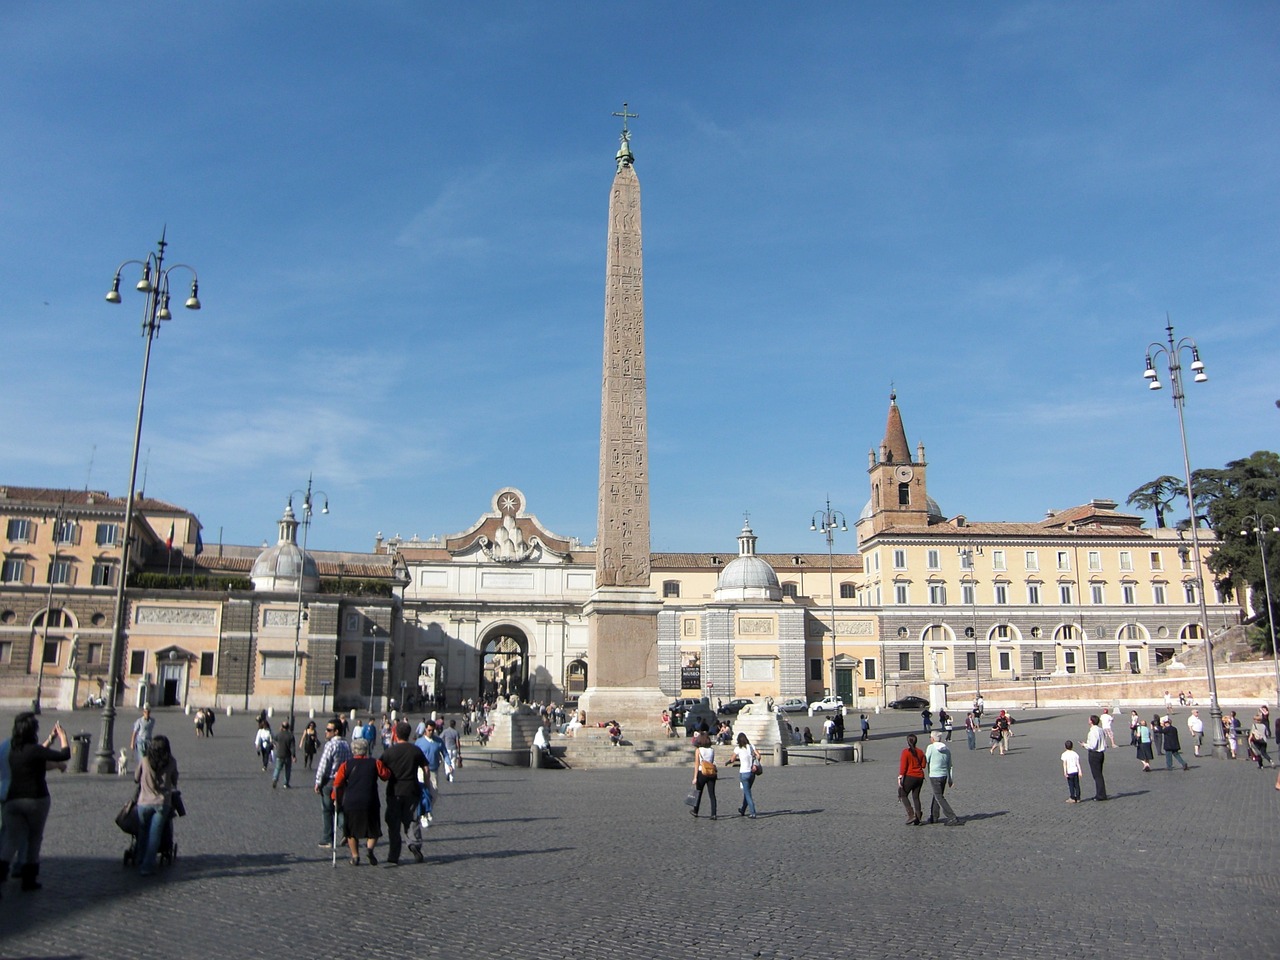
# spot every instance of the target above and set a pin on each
(586, 864)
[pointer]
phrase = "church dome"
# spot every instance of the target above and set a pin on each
(277, 568)
(747, 577)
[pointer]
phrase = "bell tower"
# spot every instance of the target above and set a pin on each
(899, 495)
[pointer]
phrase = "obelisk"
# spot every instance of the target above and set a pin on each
(622, 614)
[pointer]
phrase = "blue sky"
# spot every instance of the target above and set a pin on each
(398, 214)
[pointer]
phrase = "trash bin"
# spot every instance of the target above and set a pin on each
(80, 753)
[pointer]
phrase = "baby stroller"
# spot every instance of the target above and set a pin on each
(130, 824)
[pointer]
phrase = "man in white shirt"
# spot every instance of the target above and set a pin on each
(1195, 726)
(1096, 745)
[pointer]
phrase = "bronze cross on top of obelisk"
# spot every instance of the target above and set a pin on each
(624, 115)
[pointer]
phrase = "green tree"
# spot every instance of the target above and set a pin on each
(1157, 495)
(1232, 498)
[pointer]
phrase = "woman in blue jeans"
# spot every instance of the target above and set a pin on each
(157, 777)
(746, 757)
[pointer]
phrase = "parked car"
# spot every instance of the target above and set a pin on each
(826, 705)
(734, 706)
(909, 703)
(683, 705)
(793, 705)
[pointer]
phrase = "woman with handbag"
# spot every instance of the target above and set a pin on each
(747, 758)
(704, 772)
(910, 780)
(157, 777)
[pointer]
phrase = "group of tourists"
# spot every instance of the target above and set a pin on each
(705, 773)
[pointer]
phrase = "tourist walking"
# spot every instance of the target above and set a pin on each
(1095, 745)
(910, 780)
(1106, 728)
(747, 758)
(285, 750)
(704, 772)
(926, 720)
(1071, 770)
(1258, 735)
(945, 719)
(1000, 734)
(1144, 735)
(865, 724)
(452, 747)
(356, 790)
(26, 807)
(971, 728)
(1231, 727)
(1172, 745)
(262, 743)
(400, 765)
(157, 778)
(140, 737)
(941, 773)
(336, 752)
(310, 743)
(1195, 727)
(1155, 733)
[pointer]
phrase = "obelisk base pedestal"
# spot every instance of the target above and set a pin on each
(622, 660)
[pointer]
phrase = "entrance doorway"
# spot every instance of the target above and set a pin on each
(504, 664)
(171, 684)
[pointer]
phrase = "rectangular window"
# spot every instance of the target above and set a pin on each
(997, 560)
(900, 593)
(137, 662)
(899, 559)
(966, 593)
(1064, 560)
(1126, 560)
(1185, 556)
(971, 661)
(1096, 594)
(206, 664)
(1128, 593)
(60, 571)
(904, 494)
(1033, 593)
(904, 661)
(13, 571)
(6, 651)
(1032, 560)
(789, 589)
(1002, 631)
(1002, 593)
(51, 651)
(20, 530)
(937, 593)
(64, 533)
(349, 667)
(1095, 560)
(1157, 593)
(93, 654)
(1005, 661)
(1103, 662)
(815, 669)
(107, 535)
(848, 591)
(935, 560)
(966, 559)
(1156, 562)
(1189, 590)
(869, 669)
(1069, 661)
(1064, 593)
(101, 575)
(671, 588)
(1037, 660)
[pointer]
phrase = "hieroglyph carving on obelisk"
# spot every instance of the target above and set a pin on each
(622, 550)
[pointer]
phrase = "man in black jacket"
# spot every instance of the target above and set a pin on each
(1172, 745)
(403, 760)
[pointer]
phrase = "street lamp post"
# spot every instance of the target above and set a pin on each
(1264, 523)
(155, 286)
(1171, 352)
(827, 522)
(307, 508)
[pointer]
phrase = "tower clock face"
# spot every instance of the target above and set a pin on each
(903, 473)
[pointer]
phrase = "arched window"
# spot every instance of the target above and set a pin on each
(575, 678)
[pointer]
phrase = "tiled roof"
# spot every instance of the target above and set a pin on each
(84, 498)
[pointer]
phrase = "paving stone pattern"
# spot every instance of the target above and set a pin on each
(586, 864)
